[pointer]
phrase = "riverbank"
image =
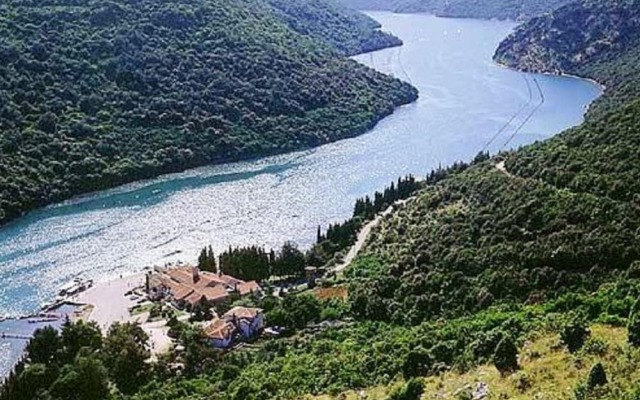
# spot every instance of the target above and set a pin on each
(602, 87)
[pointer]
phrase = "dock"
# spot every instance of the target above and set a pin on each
(17, 336)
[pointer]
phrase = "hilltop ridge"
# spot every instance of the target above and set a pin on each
(517, 10)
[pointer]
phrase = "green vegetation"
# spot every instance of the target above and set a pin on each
(95, 94)
(506, 357)
(487, 9)
(576, 35)
(335, 356)
(79, 364)
(348, 31)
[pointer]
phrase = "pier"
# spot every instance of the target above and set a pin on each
(17, 336)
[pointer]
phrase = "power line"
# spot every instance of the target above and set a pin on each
(506, 125)
(542, 100)
(402, 66)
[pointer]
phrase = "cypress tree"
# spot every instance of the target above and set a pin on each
(505, 358)
(597, 376)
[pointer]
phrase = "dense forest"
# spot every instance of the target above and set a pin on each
(598, 156)
(95, 94)
(487, 9)
(349, 31)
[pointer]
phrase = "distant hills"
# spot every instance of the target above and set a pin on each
(485, 9)
(99, 93)
(575, 36)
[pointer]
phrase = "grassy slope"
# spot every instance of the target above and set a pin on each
(548, 371)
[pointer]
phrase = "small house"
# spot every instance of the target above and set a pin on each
(220, 333)
(248, 321)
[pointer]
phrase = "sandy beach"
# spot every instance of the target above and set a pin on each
(107, 303)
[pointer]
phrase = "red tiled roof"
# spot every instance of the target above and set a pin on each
(219, 329)
(209, 280)
(183, 275)
(248, 287)
(242, 312)
(194, 298)
(230, 280)
(214, 294)
(181, 292)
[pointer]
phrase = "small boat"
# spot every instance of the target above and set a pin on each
(74, 287)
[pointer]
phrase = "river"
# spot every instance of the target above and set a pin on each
(465, 102)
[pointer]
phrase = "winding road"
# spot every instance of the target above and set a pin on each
(364, 234)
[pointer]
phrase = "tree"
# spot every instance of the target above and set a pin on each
(78, 335)
(295, 312)
(125, 355)
(86, 378)
(44, 347)
(633, 326)
(574, 334)
(212, 260)
(34, 378)
(203, 259)
(201, 311)
(505, 358)
(597, 376)
(291, 261)
(207, 260)
(416, 363)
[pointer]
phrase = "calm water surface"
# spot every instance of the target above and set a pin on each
(465, 101)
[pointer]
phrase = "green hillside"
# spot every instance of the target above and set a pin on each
(486, 9)
(96, 94)
(348, 31)
(597, 157)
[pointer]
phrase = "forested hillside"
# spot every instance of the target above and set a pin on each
(348, 31)
(597, 157)
(95, 94)
(575, 36)
(486, 9)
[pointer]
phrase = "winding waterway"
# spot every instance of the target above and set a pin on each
(466, 100)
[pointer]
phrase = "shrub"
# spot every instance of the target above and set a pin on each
(596, 347)
(506, 356)
(597, 376)
(416, 363)
(574, 334)
(633, 327)
(521, 382)
(412, 390)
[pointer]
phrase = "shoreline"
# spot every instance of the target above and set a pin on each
(601, 86)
